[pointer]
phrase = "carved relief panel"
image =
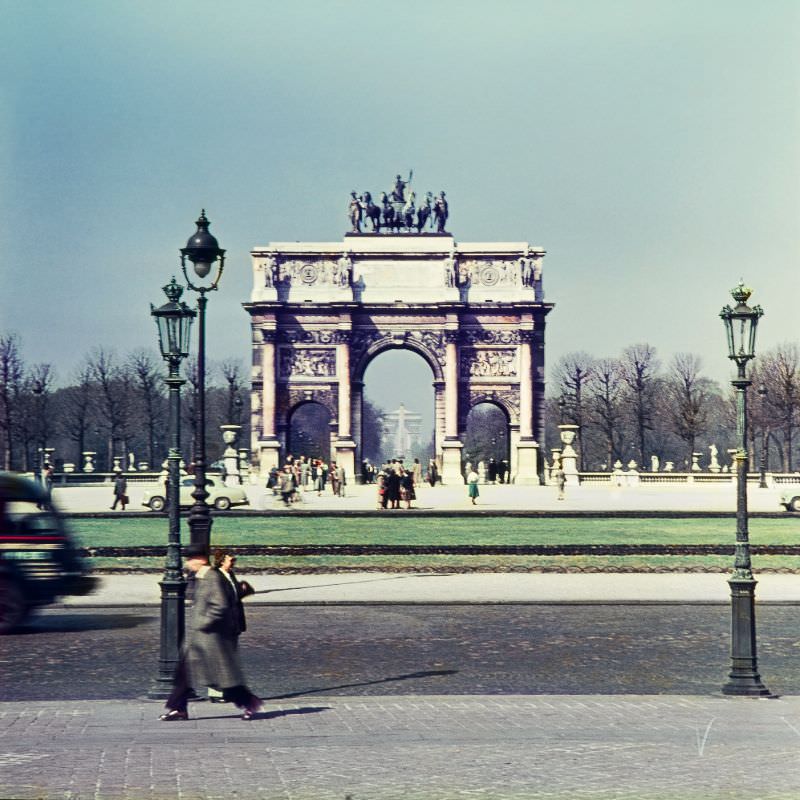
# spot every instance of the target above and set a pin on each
(488, 363)
(306, 362)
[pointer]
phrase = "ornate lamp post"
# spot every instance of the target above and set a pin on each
(203, 251)
(743, 679)
(38, 390)
(762, 472)
(174, 320)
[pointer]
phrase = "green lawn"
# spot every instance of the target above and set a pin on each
(397, 528)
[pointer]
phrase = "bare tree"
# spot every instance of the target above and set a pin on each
(11, 374)
(145, 372)
(113, 398)
(604, 391)
(688, 395)
(571, 374)
(780, 372)
(76, 409)
(232, 372)
(639, 373)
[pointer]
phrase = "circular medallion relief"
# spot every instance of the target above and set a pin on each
(490, 276)
(308, 273)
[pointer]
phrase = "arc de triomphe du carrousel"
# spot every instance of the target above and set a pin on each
(474, 311)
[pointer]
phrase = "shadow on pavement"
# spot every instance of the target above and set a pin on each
(382, 579)
(73, 623)
(266, 715)
(409, 676)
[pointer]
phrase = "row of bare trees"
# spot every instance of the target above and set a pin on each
(633, 408)
(111, 405)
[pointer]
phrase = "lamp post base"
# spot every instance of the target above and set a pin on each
(173, 598)
(160, 689)
(743, 679)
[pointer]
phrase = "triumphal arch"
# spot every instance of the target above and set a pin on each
(474, 311)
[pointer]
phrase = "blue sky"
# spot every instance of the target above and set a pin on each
(653, 148)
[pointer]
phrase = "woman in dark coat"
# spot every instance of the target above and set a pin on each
(210, 657)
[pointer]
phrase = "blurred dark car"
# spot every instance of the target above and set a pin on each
(38, 559)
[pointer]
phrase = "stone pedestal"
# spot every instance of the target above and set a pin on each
(527, 472)
(269, 455)
(451, 462)
(230, 433)
(569, 458)
(345, 454)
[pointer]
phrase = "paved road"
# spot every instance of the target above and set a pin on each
(304, 651)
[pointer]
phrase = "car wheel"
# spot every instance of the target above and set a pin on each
(222, 504)
(795, 504)
(13, 609)
(157, 504)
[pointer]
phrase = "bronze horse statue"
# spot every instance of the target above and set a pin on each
(372, 211)
(388, 212)
(424, 213)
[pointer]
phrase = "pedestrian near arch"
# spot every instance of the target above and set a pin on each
(472, 486)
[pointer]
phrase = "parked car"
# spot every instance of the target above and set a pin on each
(38, 559)
(220, 496)
(790, 499)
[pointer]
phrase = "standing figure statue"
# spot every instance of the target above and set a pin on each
(409, 210)
(424, 212)
(399, 191)
(354, 213)
(440, 212)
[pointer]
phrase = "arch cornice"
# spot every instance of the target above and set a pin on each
(366, 345)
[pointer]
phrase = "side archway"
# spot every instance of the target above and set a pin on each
(487, 442)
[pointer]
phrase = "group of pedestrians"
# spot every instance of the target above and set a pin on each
(396, 484)
(303, 474)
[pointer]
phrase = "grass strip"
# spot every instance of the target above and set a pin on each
(400, 529)
(450, 563)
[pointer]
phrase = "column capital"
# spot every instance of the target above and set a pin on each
(527, 336)
(268, 335)
(452, 337)
(343, 336)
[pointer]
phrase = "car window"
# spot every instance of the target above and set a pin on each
(187, 482)
(23, 517)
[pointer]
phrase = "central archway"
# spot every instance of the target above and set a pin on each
(396, 391)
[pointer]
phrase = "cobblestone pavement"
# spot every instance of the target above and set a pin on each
(418, 747)
(305, 651)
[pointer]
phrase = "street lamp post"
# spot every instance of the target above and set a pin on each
(743, 679)
(38, 470)
(174, 320)
(762, 472)
(203, 251)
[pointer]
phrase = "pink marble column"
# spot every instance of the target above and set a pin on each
(525, 385)
(343, 375)
(268, 383)
(451, 385)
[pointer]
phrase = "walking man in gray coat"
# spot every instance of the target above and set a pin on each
(210, 656)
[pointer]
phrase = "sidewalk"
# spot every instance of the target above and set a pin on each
(493, 497)
(415, 748)
(549, 587)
